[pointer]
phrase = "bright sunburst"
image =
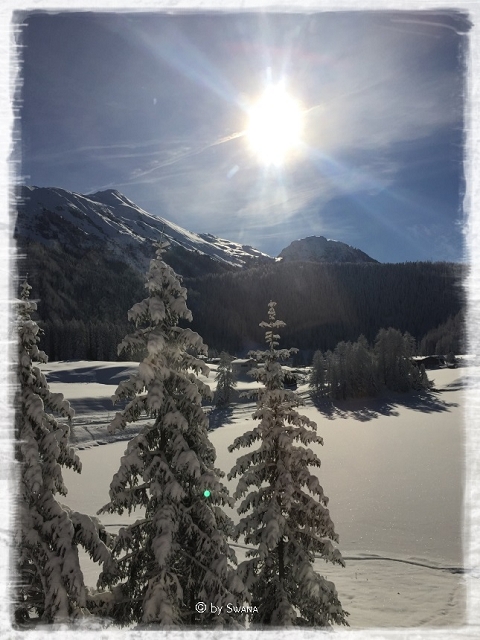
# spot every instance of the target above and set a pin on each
(275, 126)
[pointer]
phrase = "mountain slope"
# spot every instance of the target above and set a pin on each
(86, 257)
(109, 220)
(319, 249)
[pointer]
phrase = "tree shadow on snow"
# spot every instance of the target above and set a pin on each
(219, 416)
(96, 405)
(456, 385)
(365, 409)
(95, 373)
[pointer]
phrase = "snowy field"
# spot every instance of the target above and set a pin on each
(392, 468)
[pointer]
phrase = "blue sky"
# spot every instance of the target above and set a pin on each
(154, 105)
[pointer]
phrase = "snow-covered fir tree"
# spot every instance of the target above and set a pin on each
(287, 521)
(49, 585)
(225, 380)
(178, 553)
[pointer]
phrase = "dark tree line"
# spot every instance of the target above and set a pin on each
(357, 370)
(83, 299)
(322, 304)
(87, 286)
(447, 338)
(79, 340)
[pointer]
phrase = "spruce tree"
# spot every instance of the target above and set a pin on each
(177, 554)
(317, 377)
(287, 520)
(225, 380)
(364, 371)
(49, 581)
(395, 369)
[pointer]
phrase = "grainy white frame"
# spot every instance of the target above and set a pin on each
(9, 76)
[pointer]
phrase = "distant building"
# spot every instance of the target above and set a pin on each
(430, 362)
(241, 366)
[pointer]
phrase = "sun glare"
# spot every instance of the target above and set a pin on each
(275, 126)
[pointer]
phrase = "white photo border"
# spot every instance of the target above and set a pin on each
(10, 76)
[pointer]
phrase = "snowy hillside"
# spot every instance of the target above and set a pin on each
(319, 249)
(110, 220)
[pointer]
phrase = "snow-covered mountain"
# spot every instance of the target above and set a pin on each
(110, 220)
(319, 249)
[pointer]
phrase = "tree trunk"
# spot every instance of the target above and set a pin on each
(281, 561)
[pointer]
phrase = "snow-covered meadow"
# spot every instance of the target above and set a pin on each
(393, 470)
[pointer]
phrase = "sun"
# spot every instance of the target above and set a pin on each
(275, 126)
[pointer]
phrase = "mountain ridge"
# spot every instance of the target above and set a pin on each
(108, 219)
(320, 249)
(84, 291)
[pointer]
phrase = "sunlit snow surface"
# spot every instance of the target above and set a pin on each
(394, 473)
